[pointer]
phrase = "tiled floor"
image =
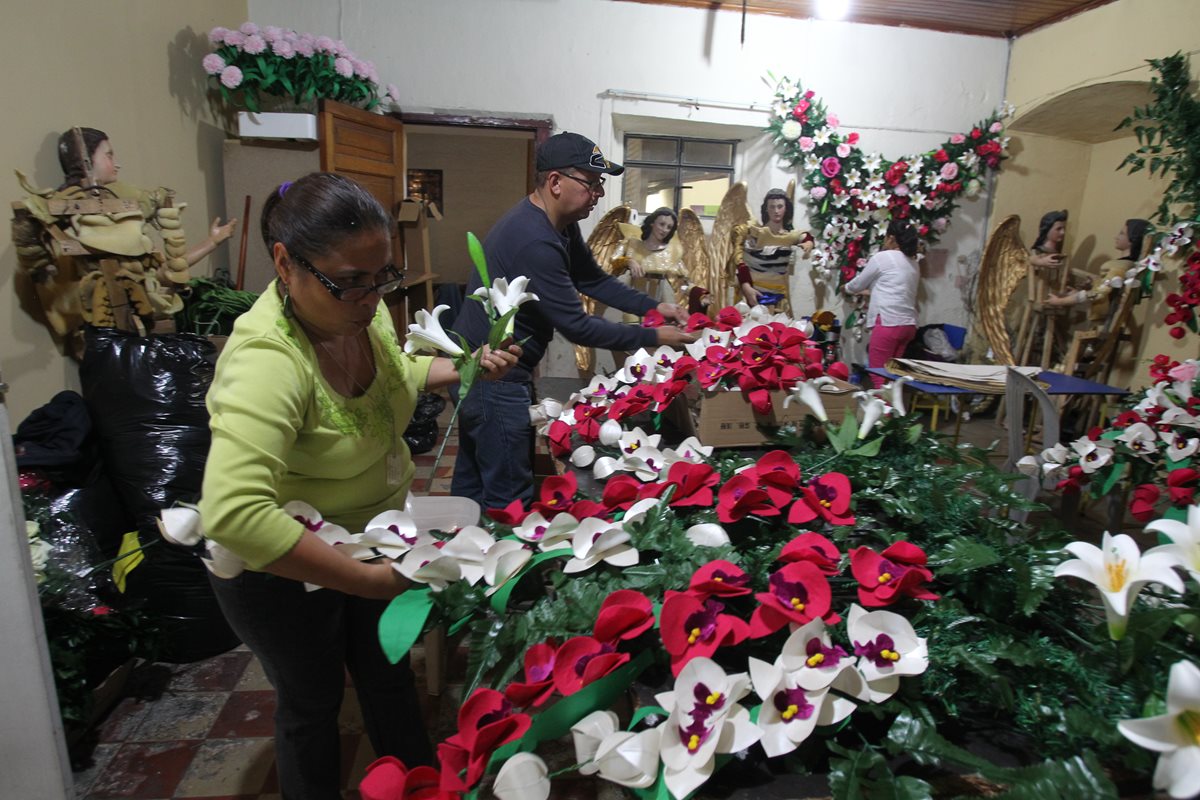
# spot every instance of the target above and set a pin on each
(207, 734)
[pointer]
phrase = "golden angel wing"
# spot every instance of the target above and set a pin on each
(608, 234)
(1005, 262)
(734, 211)
(791, 190)
(695, 248)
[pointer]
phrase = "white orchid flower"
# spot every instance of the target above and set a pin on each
(1178, 445)
(1175, 734)
(1181, 236)
(181, 525)
(522, 777)
(705, 719)
(873, 409)
(707, 534)
(810, 656)
(390, 534)
(221, 561)
(469, 547)
(638, 368)
(427, 334)
(1185, 540)
(709, 337)
(1140, 438)
(1092, 454)
(888, 649)
(809, 393)
(605, 467)
(556, 534)
(311, 519)
(1029, 465)
(690, 449)
(790, 713)
(588, 733)
(502, 562)
(533, 528)
(583, 456)
(1180, 418)
(1156, 395)
(664, 361)
(630, 759)
(546, 410)
(1119, 570)
(599, 390)
(505, 296)
(647, 464)
(597, 540)
(638, 511)
(429, 565)
(631, 442)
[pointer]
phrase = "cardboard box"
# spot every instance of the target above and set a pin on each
(727, 420)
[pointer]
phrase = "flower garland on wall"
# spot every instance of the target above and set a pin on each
(853, 194)
(251, 61)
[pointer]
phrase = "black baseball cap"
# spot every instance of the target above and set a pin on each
(564, 150)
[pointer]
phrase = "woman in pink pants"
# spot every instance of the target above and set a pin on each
(891, 278)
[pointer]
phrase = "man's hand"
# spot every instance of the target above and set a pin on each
(496, 363)
(673, 313)
(675, 337)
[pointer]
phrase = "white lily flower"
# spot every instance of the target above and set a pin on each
(809, 393)
(630, 759)
(1119, 570)
(1179, 445)
(707, 534)
(429, 565)
(588, 733)
(1092, 454)
(522, 777)
(888, 649)
(705, 719)
(1140, 438)
(1175, 734)
(469, 547)
(1185, 540)
(873, 408)
(427, 334)
(583, 455)
(822, 136)
(1156, 395)
(181, 525)
(597, 540)
(897, 387)
(873, 162)
(505, 296)
(503, 561)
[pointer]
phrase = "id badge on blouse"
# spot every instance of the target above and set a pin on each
(395, 469)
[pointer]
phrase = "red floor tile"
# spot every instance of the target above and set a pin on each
(219, 674)
(145, 770)
(246, 714)
(123, 720)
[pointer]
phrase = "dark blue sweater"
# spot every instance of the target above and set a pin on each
(560, 267)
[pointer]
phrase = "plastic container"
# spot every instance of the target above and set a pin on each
(442, 513)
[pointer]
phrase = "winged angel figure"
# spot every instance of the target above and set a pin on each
(692, 263)
(999, 308)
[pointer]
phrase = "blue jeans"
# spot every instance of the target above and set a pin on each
(305, 641)
(494, 465)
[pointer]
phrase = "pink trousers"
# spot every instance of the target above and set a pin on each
(887, 342)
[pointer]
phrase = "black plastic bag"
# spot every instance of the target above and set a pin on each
(422, 432)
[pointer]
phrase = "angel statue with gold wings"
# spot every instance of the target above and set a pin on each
(763, 255)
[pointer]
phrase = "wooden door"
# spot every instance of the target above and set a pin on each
(370, 149)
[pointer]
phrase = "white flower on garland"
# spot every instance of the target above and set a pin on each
(917, 198)
(1092, 454)
(1140, 438)
(853, 178)
(873, 162)
(968, 159)
(430, 566)
(812, 162)
(469, 547)
(503, 561)
(522, 777)
(1179, 445)
(790, 712)
(427, 334)
(791, 130)
(1176, 734)
(822, 137)
(1185, 540)
(597, 540)
(1181, 236)
(888, 649)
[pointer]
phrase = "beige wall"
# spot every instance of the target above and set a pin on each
(1107, 44)
(483, 175)
(130, 68)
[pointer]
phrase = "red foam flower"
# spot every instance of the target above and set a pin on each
(741, 496)
(1145, 497)
(653, 319)
(814, 548)
(693, 484)
(512, 514)
(883, 578)
(1181, 485)
(728, 318)
(798, 594)
(539, 677)
(485, 723)
(624, 614)
(719, 578)
(778, 475)
(582, 660)
(388, 779)
(692, 627)
(557, 495)
(827, 497)
(838, 370)
(620, 492)
(559, 435)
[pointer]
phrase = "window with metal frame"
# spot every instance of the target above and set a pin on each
(677, 172)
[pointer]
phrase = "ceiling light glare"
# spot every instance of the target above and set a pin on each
(833, 9)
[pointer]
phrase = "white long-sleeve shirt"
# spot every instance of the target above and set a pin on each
(892, 278)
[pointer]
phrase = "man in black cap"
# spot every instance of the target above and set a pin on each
(540, 238)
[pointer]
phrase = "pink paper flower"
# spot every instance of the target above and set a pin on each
(843, 150)
(817, 192)
(213, 64)
(304, 47)
(217, 35)
(949, 171)
(830, 167)
(235, 38)
(248, 28)
(324, 44)
(901, 190)
(832, 121)
(996, 127)
(283, 48)
(343, 67)
(806, 144)
(1185, 372)
(957, 138)
(231, 77)
(254, 44)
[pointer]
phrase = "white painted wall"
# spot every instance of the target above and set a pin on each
(904, 90)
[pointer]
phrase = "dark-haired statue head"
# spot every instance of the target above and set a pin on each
(84, 152)
(777, 207)
(1051, 231)
(1135, 233)
(653, 217)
